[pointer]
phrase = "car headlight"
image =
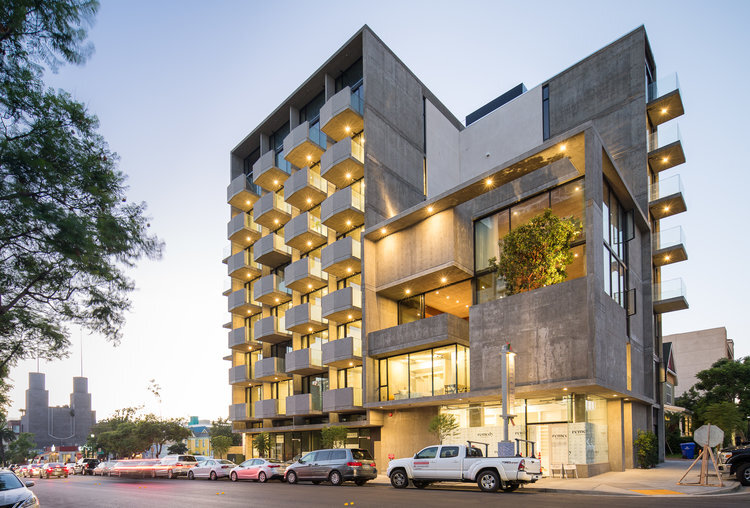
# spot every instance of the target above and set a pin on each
(29, 502)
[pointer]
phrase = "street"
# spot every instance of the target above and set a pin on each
(77, 491)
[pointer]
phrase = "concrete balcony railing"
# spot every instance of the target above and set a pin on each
(669, 246)
(667, 198)
(270, 289)
(242, 230)
(305, 361)
(418, 335)
(342, 114)
(342, 258)
(240, 375)
(305, 318)
(242, 193)
(241, 266)
(305, 189)
(240, 303)
(304, 145)
(271, 251)
(665, 147)
(304, 404)
(272, 211)
(343, 305)
(271, 171)
(240, 412)
(271, 329)
(343, 210)
(342, 353)
(670, 296)
(241, 339)
(271, 408)
(342, 399)
(270, 369)
(305, 275)
(664, 100)
(305, 232)
(343, 163)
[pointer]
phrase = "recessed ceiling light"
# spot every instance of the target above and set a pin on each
(276, 182)
(351, 364)
(348, 222)
(666, 208)
(467, 306)
(488, 181)
(349, 269)
(347, 128)
(309, 157)
(575, 255)
(563, 147)
(430, 209)
(309, 329)
(408, 291)
(349, 316)
(444, 279)
(665, 159)
(565, 389)
(309, 243)
(309, 286)
(309, 200)
(247, 202)
(276, 221)
(663, 110)
(348, 175)
(666, 258)
(382, 231)
(276, 300)
(248, 238)
(577, 188)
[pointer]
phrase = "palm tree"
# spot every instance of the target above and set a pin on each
(6, 435)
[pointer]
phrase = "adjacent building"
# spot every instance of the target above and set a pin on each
(696, 351)
(363, 218)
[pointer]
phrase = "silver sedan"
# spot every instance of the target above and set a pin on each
(212, 469)
(260, 470)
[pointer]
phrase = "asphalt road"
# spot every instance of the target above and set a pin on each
(77, 491)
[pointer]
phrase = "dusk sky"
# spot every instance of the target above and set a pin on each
(177, 84)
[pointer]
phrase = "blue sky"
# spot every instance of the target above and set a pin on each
(177, 84)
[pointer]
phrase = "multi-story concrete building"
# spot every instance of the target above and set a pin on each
(696, 351)
(57, 425)
(364, 214)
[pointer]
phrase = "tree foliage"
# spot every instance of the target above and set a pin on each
(221, 445)
(159, 431)
(223, 427)
(726, 416)
(177, 449)
(536, 254)
(67, 232)
(22, 448)
(647, 448)
(126, 434)
(333, 436)
(443, 426)
(263, 443)
(6, 436)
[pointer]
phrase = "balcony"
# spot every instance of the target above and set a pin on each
(305, 362)
(342, 353)
(342, 258)
(305, 275)
(241, 412)
(305, 232)
(669, 246)
(271, 408)
(305, 318)
(665, 148)
(304, 145)
(342, 400)
(242, 193)
(242, 230)
(271, 329)
(270, 369)
(343, 210)
(271, 171)
(240, 375)
(304, 404)
(670, 296)
(664, 100)
(305, 189)
(343, 163)
(271, 251)
(242, 340)
(241, 304)
(418, 335)
(343, 305)
(272, 211)
(341, 115)
(241, 266)
(666, 198)
(271, 290)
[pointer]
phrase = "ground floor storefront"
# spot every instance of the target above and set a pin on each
(287, 445)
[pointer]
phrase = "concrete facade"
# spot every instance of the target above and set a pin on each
(696, 351)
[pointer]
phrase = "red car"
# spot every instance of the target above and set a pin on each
(51, 469)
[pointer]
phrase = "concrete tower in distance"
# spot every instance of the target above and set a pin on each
(34, 419)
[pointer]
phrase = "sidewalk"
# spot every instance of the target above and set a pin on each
(659, 481)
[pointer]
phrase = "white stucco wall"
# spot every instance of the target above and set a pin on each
(442, 152)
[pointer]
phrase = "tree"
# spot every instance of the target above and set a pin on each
(443, 425)
(222, 427)
(536, 254)
(263, 443)
(22, 448)
(177, 449)
(221, 445)
(67, 232)
(726, 416)
(6, 436)
(333, 436)
(159, 431)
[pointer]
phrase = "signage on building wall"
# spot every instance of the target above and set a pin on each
(577, 443)
(558, 443)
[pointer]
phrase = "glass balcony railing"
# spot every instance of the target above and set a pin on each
(315, 225)
(669, 289)
(663, 86)
(283, 164)
(317, 136)
(226, 252)
(358, 151)
(666, 134)
(358, 201)
(227, 287)
(358, 103)
(668, 238)
(667, 187)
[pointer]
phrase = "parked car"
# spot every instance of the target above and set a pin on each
(50, 469)
(173, 466)
(137, 468)
(260, 470)
(103, 468)
(21, 470)
(736, 461)
(86, 466)
(33, 470)
(211, 468)
(336, 466)
(71, 467)
(15, 492)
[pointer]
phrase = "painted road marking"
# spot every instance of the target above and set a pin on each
(659, 492)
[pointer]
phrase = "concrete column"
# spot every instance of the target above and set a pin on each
(293, 118)
(616, 435)
(265, 143)
(330, 86)
(628, 437)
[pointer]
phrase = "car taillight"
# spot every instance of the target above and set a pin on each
(273, 465)
(179, 464)
(372, 465)
(354, 464)
(522, 465)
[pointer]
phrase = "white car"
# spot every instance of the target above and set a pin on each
(211, 468)
(71, 467)
(260, 470)
(14, 492)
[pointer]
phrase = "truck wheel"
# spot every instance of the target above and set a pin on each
(399, 480)
(743, 474)
(488, 481)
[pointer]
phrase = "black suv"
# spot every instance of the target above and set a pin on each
(736, 461)
(86, 466)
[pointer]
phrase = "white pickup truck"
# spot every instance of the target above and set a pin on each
(461, 463)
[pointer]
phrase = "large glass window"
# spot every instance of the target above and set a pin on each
(454, 299)
(351, 329)
(615, 247)
(351, 377)
(351, 77)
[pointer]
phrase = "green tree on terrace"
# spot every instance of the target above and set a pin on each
(67, 231)
(536, 254)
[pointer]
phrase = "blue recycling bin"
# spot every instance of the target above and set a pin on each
(688, 450)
